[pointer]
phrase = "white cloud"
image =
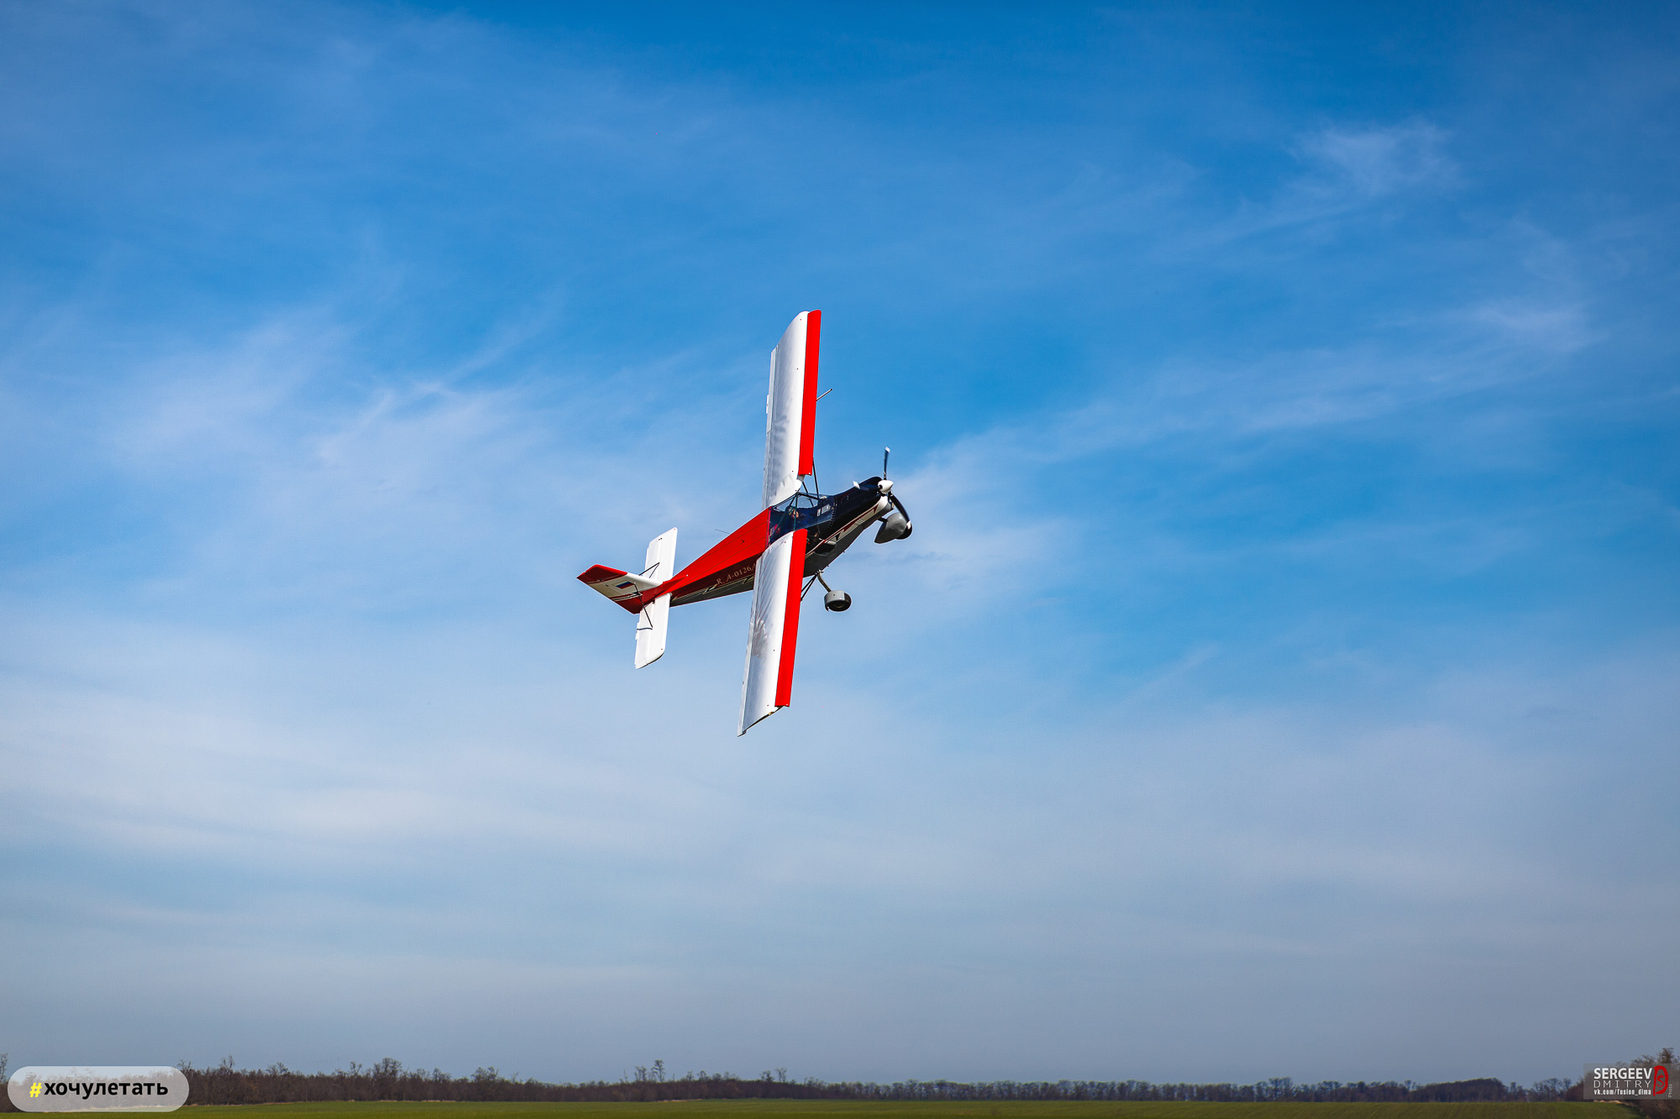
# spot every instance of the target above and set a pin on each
(1373, 163)
(346, 813)
(1542, 326)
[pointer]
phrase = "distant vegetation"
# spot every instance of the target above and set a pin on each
(389, 1080)
(919, 1109)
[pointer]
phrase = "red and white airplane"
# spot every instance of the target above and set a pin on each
(780, 552)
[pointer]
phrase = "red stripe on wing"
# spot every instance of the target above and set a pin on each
(808, 417)
(790, 620)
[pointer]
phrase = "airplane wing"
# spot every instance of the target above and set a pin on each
(791, 408)
(789, 437)
(768, 683)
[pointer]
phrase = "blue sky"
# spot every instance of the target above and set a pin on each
(1281, 679)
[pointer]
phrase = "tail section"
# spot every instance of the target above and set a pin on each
(650, 623)
(620, 586)
(629, 590)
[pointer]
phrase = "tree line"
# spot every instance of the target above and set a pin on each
(388, 1079)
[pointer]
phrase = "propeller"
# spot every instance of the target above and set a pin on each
(895, 526)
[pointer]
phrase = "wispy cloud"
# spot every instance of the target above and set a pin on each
(1373, 163)
(1541, 326)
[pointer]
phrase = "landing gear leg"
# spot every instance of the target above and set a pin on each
(834, 600)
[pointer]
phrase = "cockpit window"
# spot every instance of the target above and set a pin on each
(803, 510)
(803, 503)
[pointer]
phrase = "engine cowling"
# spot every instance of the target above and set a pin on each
(895, 526)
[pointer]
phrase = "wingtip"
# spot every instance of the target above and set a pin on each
(760, 719)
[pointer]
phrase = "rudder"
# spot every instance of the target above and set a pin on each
(650, 622)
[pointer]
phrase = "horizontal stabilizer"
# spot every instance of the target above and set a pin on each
(620, 586)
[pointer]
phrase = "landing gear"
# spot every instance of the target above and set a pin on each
(834, 600)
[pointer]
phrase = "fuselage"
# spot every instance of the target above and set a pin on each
(831, 523)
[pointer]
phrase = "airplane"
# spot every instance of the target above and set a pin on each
(780, 552)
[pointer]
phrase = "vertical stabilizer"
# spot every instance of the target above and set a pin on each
(650, 623)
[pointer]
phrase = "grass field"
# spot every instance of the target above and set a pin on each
(940, 1109)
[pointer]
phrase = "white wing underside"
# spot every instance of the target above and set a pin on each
(789, 410)
(785, 411)
(768, 640)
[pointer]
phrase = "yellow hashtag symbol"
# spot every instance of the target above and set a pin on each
(35, 1089)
